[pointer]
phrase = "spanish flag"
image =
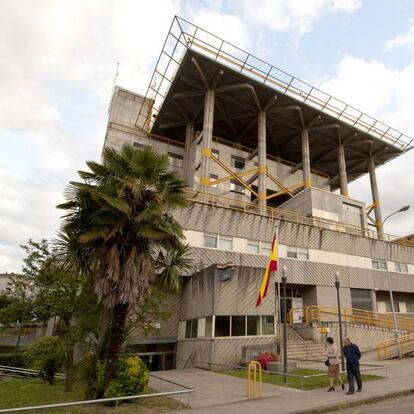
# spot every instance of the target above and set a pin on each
(271, 267)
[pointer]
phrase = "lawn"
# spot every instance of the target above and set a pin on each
(294, 382)
(29, 392)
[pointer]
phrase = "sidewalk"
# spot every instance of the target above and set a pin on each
(282, 400)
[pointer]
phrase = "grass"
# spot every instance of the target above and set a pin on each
(29, 392)
(294, 382)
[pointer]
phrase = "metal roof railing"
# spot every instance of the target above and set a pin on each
(184, 35)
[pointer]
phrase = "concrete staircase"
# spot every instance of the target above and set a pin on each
(303, 349)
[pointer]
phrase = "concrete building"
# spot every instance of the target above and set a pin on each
(261, 149)
(6, 281)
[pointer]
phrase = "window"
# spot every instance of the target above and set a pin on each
(216, 153)
(253, 325)
(210, 241)
(222, 326)
(253, 247)
(236, 187)
(237, 162)
(238, 326)
(410, 307)
(175, 160)
(379, 265)
(191, 327)
(396, 307)
(213, 177)
(225, 243)
(268, 327)
(265, 248)
(303, 254)
(216, 241)
(141, 146)
(401, 267)
(361, 299)
(292, 252)
(297, 253)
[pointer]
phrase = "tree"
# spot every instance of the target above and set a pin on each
(50, 289)
(120, 217)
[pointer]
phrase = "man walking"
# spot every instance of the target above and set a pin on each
(352, 355)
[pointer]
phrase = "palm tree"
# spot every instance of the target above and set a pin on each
(121, 216)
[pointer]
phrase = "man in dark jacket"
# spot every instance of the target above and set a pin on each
(352, 355)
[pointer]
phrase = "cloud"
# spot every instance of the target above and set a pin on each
(388, 94)
(403, 41)
(230, 27)
(297, 17)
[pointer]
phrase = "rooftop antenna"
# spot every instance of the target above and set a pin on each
(113, 86)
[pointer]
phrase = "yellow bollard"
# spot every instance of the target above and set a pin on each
(253, 367)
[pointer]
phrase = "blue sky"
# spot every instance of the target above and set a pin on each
(59, 60)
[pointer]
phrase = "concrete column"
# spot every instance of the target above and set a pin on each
(343, 180)
(307, 179)
(189, 157)
(261, 152)
(207, 139)
(375, 197)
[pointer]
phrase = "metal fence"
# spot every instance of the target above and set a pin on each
(183, 391)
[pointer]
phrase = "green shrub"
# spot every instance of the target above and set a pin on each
(12, 360)
(46, 354)
(132, 377)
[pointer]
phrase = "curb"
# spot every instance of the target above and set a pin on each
(355, 403)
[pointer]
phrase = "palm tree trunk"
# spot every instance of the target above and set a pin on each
(69, 368)
(116, 338)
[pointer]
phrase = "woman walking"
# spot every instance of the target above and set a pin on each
(333, 367)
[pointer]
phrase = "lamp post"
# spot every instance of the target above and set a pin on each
(404, 208)
(337, 285)
(394, 317)
(284, 279)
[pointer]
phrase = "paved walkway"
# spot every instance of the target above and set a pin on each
(218, 393)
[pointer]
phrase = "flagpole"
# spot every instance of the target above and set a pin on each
(277, 293)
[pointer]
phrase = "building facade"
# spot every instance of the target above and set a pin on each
(260, 155)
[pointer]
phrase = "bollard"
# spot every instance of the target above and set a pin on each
(253, 367)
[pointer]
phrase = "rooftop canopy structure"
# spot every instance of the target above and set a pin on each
(204, 83)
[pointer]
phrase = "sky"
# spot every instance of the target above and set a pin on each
(58, 61)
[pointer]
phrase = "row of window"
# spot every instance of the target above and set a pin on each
(382, 265)
(216, 241)
(225, 326)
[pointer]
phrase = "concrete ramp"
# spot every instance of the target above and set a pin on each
(211, 389)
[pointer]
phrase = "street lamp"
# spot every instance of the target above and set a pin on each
(394, 317)
(404, 208)
(284, 280)
(337, 285)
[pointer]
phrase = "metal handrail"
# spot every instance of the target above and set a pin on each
(185, 390)
(353, 315)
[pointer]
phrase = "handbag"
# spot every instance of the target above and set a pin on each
(327, 363)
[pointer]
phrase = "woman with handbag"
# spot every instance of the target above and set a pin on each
(332, 363)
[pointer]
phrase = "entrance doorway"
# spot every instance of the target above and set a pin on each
(294, 300)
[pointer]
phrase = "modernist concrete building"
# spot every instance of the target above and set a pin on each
(261, 149)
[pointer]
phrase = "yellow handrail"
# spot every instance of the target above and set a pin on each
(353, 315)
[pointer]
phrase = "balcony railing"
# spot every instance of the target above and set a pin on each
(242, 206)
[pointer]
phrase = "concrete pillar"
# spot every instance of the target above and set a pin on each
(343, 180)
(207, 140)
(307, 179)
(261, 152)
(375, 197)
(189, 157)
